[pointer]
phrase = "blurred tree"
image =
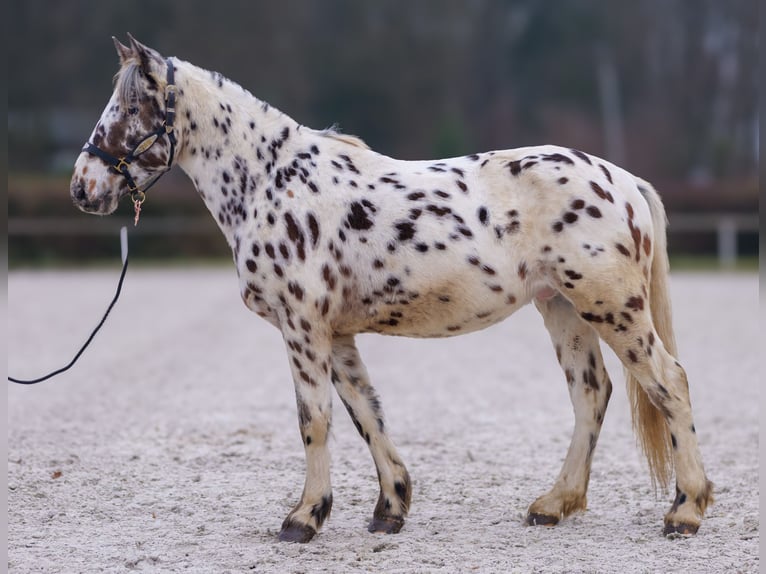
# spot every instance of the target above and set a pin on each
(432, 77)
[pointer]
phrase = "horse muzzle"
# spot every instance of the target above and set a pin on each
(88, 197)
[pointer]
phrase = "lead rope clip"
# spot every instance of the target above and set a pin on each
(138, 198)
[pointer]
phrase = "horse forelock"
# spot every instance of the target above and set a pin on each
(128, 83)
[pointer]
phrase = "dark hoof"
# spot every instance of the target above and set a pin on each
(296, 532)
(534, 519)
(680, 530)
(389, 525)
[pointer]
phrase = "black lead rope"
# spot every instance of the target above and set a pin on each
(124, 250)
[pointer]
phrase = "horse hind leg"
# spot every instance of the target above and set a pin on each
(357, 394)
(657, 383)
(578, 352)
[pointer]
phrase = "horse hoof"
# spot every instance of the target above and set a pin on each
(681, 530)
(388, 525)
(296, 532)
(535, 519)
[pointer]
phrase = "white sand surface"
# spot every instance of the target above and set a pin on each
(173, 445)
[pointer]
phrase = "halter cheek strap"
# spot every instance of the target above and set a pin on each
(122, 164)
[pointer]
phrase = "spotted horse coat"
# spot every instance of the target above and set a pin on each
(331, 239)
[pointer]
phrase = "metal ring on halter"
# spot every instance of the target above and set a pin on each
(137, 196)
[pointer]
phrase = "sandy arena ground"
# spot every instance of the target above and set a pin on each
(173, 446)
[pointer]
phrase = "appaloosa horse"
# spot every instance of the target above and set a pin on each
(331, 239)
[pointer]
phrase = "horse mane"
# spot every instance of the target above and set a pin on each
(128, 84)
(333, 133)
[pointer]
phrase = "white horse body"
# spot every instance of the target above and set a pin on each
(331, 239)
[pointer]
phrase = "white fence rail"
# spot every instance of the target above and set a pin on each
(726, 226)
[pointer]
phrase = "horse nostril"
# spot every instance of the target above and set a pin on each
(78, 190)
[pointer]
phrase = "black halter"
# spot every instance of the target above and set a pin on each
(121, 164)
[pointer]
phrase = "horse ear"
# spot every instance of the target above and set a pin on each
(123, 51)
(146, 56)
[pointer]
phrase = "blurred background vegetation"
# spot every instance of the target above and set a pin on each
(665, 88)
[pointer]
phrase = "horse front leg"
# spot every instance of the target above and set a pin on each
(352, 383)
(309, 351)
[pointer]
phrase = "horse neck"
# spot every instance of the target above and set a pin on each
(222, 125)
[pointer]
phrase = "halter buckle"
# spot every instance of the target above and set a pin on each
(122, 165)
(170, 106)
(170, 94)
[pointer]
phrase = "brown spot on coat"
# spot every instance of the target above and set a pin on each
(606, 172)
(581, 155)
(598, 190)
(636, 303)
(622, 249)
(593, 211)
(647, 245)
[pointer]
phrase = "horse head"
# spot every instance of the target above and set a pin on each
(134, 141)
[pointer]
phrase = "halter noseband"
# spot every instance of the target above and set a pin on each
(121, 164)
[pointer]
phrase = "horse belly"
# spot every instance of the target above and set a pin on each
(444, 308)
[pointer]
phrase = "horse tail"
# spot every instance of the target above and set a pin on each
(649, 423)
